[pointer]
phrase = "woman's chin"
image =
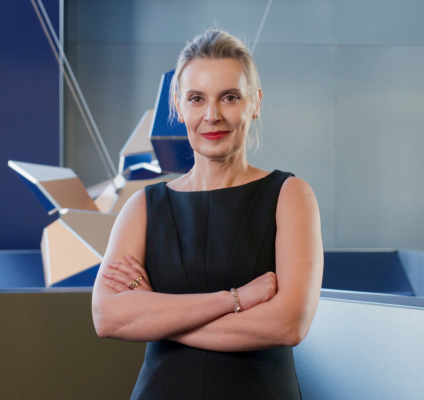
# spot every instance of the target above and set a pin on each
(219, 152)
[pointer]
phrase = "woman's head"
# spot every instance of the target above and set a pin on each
(204, 53)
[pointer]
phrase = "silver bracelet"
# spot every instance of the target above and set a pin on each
(236, 300)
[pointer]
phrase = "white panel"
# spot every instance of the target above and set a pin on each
(360, 351)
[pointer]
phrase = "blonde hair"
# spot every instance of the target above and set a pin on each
(218, 44)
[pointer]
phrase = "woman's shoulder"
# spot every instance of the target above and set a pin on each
(296, 195)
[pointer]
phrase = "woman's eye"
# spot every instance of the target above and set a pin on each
(195, 99)
(231, 98)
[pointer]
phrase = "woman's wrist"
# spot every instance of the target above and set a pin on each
(228, 301)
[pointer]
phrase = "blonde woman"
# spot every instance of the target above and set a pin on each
(219, 270)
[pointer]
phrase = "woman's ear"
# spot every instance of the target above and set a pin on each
(177, 105)
(257, 110)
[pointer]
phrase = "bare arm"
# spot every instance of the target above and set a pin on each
(287, 317)
(143, 315)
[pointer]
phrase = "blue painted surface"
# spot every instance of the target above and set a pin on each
(413, 264)
(21, 268)
(136, 159)
(140, 173)
(174, 155)
(161, 125)
(29, 117)
(24, 269)
(44, 201)
(377, 272)
(85, 278)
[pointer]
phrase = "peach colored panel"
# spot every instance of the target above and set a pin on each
(67, 255)
(70, 193)
(94, 228)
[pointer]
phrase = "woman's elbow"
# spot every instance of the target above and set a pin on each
(102, 321)
(294, 335)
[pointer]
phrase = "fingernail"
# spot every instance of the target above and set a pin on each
(128, 256)
(107, 282)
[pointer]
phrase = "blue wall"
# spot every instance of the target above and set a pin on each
(29, 117)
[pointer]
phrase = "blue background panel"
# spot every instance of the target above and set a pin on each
(174, 155)
(21, 268)
(84, 278)
(29, 117)
(44, 201)
(377, 272)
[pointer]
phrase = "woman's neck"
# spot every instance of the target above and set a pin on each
(217, 174)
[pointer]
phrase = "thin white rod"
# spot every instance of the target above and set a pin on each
(261, 26)
(78, 90)
(68, 81)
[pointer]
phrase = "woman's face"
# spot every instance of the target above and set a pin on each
(216, 106)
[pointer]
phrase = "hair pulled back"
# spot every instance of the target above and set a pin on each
(217, 44)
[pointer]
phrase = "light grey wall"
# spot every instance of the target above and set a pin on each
(343, 107)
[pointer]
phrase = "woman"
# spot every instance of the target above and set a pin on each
(224, 225)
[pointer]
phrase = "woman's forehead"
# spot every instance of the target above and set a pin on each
(212, 74)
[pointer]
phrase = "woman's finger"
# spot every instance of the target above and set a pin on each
(134, 263)
(119, 278)
(125, 268)
(122, 276)
(118, 287)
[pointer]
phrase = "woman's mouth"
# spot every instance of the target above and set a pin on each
(215, 135)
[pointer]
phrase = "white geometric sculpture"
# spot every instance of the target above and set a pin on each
(56, 188)
(138, 146)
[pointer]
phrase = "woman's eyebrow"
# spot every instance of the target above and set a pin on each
(191, 92)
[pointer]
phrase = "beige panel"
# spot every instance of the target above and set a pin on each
(129, 189)
(106, 199)
(70, 193)
(139, 141)
(67, 254)
(93, 227)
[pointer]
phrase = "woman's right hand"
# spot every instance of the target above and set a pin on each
(257, 291)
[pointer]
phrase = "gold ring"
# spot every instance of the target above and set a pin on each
(139, 279)
(133, 285)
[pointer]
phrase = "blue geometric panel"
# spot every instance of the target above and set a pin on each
(136, 159)
(377, 272)
(174, 155)
(139, 171)
(169, 138)
(161, 126)
(21, 268)
(84, 278)
(45, 202)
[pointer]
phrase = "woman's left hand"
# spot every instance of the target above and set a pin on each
(124, 274)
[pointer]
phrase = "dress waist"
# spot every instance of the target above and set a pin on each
(171, 368)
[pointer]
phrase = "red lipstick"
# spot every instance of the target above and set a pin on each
(215, 135)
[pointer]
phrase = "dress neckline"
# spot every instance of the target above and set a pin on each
(215, 190)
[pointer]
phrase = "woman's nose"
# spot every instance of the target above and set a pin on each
(212, 114)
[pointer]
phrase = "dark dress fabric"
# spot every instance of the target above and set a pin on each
(203, 242)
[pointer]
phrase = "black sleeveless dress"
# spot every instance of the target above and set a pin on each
(202, 242)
